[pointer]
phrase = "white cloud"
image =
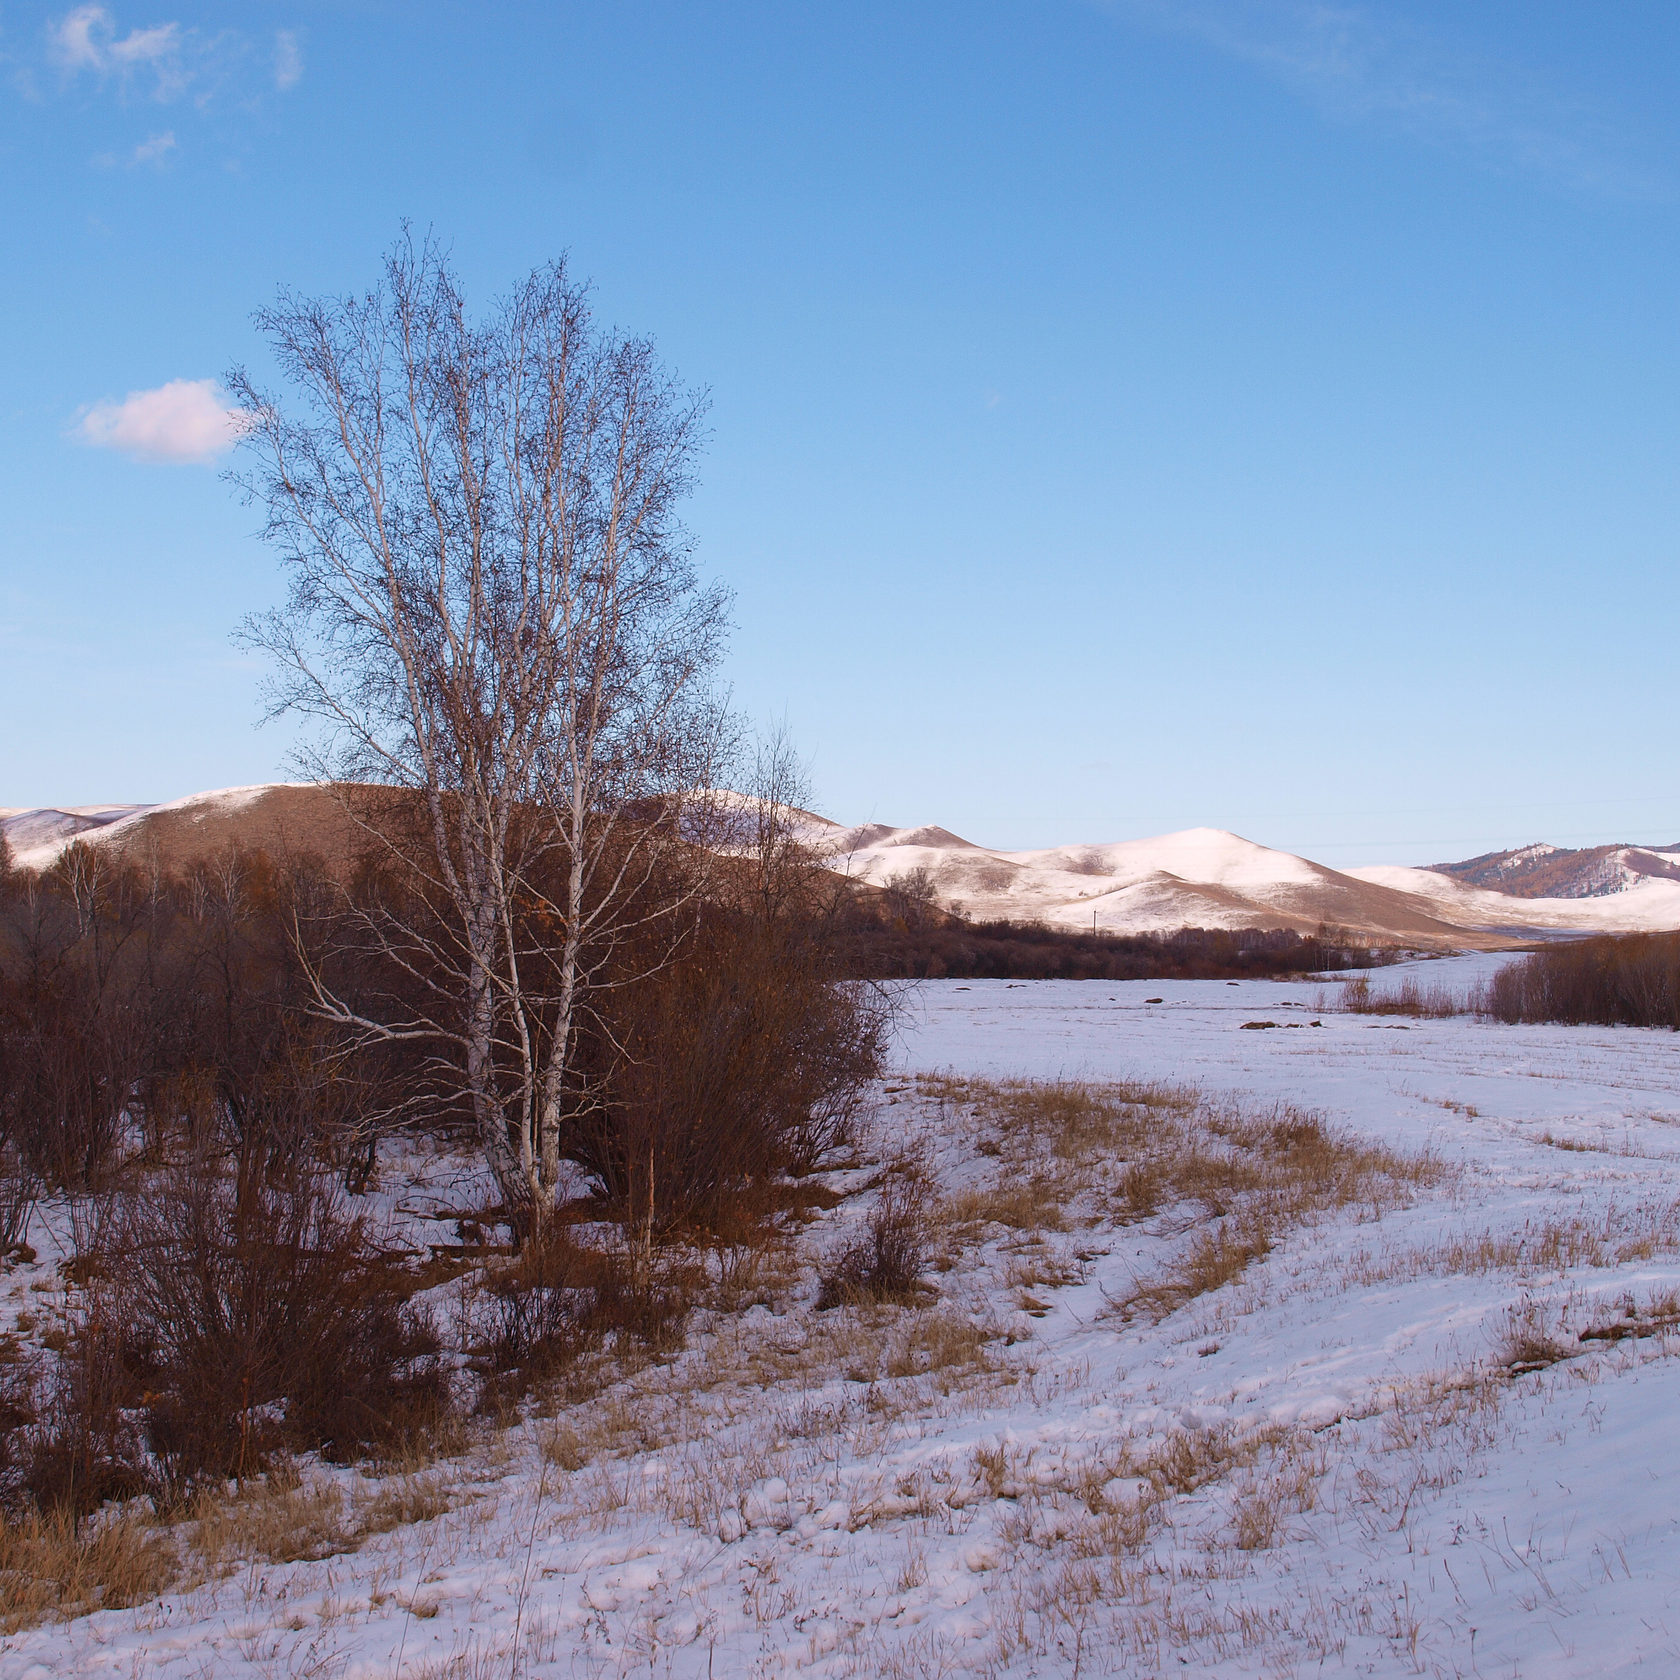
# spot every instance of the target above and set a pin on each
(146, 46)
(87, 39)
(73, 39)
(185, 420)
(170, 60)
(155, 149)
(288, 60)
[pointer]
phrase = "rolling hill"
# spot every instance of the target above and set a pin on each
(1542, 871)
(1201, 877)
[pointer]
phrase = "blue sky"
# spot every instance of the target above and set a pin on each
(1126, 415)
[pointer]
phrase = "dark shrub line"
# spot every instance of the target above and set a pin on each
(1617, 980)
(887, 945)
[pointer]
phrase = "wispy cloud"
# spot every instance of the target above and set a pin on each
(87, 40)
(185, 420)
(168, 61)
(1367, 62)
(288, 60)
(155, 149)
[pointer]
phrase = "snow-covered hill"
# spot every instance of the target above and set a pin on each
(1206, 877)
(1201, 877)
(279, 817)
(1542, 871)
(48, 829)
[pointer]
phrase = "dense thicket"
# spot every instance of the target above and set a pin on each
(887, 943)
(1618, 980)
(170, 1075)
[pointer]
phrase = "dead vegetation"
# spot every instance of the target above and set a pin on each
(756, 1411)
(1421, 1002)
(53, 1566)
(1073, 1154)
(1622, 1234)
(884, 1264)
(1630, 980)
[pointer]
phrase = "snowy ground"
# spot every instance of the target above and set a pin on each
(1336, 1463)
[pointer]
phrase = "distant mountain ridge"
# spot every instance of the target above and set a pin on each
(1542, 871)
(1202, 877)
(1206, 877)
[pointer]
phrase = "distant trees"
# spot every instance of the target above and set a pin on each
(1615, 980)
(495, 609)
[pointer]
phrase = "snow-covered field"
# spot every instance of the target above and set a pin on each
(1381, 1447)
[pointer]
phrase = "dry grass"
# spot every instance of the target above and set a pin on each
(52, 1567)
(272, 1523)
(1430, 1003)
(1070, 1153)
(286, 1520)
(1529, 1341)
(1538, 1248)
(1660, 1316)
(1212, 1260)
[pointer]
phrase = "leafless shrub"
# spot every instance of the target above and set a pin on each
(755, 1272)
(545, 1308)
(83, 1444)
(19, 1191)
(1434, 1002)
(1616, 980)
(258, 1318)
(74, 1014)
(557, 1300)
(743, 1060)
(885, 1262)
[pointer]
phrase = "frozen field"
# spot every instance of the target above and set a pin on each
(1376, 1443)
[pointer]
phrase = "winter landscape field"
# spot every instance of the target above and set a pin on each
(932, 927)
(1254, 1339)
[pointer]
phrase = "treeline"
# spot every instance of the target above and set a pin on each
(189, 1080)
(1617, 980)
(889, 943)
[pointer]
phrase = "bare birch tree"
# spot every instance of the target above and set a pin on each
(493, 606)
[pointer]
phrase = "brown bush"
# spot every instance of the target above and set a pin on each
(74, 1015)
(886, 1261)
(556, 1300)
(1619, 980)
(1432, 1003)
(742, 1061)
(899, 935)
(259, 1318)
(82, 1444)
